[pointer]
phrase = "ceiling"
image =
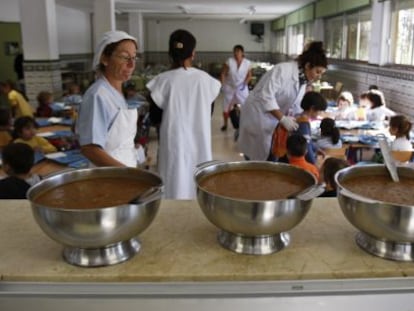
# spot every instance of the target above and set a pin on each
(199, 9)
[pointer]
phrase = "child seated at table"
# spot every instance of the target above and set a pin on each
(330, 135)
(74, 95)
(327, 172)
(18, 160)
(44, 100)
(377, 111)
(296, 150)
(25, 132)
(400, 127)
(345, 103)
(5, 127)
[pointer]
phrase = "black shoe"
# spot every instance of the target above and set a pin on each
(224, 128)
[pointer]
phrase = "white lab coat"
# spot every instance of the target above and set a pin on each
(234, 88)
(185, 96)
(278, 89)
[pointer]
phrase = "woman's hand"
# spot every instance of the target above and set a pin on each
(289, 123)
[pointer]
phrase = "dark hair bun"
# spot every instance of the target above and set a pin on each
(315, 46)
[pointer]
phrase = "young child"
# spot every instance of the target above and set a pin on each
(18, 159)
(330, 135)
(377, 111)
(5, 127)
(400, 127)
(345, 104)
(312, 104)
(328, 170)
(74, 96)
(296, 150)
(44, 99)
(25, 132)
(20, 107)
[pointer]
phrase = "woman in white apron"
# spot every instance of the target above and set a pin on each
(106, 125)
(183, 95)
(276, 98)
(235, 77)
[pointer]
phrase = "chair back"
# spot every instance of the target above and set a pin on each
(401, 156)
(340, 153)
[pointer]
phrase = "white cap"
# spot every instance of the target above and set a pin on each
(108, 38)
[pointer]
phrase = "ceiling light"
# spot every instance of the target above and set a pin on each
(183, 9)
(252, 9)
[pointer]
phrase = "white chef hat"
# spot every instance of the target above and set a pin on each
(108, 38)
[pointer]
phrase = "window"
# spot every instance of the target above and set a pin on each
(280, 46)
(333, 36)
(358, 33)
(403, 32)
(347, 36)
(300, 35)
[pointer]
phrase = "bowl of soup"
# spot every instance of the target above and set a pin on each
(97, 213)
(381, 209)
(253, 203)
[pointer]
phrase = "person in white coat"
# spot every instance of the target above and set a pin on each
(235, 77)
(276, 98)
(106, 125)
(182, 99)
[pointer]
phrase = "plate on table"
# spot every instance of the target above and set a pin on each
(368, 139)
(350, 138)
(66, 157)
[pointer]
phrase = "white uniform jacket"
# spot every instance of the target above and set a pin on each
(185, 96)
(234, 88)
(278, 89)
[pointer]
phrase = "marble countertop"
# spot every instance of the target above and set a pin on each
(180, 245)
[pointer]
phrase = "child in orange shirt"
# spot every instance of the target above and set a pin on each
(296, 150)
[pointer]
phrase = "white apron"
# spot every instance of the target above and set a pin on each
(257, 124)
(120, 140)
(233, 94)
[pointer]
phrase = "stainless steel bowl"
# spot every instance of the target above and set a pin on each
(251, 226)
(386, 229)
(99, 236)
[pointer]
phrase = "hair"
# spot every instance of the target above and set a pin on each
(314, 55)
(296, 145)
(346, 96)
(238, 47)
(313, 100)
(402, 125)
(109, 50)
(181, 46)
(329, 168)
(5, 117)
(374, 98)
(19, 156)
(373, 87)
(328, 128)
(21, 123)
(43, 97)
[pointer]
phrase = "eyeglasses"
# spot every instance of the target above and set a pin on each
(127, 59)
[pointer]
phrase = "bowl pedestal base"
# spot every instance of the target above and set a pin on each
(385, 249)
(257, 245)
(105, 256)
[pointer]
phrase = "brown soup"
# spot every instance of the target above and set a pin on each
(92, 193)
(253, 184)
(382, 188)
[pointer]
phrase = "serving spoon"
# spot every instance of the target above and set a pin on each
(389, 161)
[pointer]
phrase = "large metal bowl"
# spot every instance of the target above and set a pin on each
(386, 229)
(251, 226)
(98, 236)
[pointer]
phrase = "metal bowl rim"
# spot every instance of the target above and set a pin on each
(218, 164)
(87, 210)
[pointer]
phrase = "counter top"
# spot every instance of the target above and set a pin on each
(180, 245)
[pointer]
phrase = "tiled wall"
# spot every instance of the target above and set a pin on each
(396, 84)
(41, 76)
